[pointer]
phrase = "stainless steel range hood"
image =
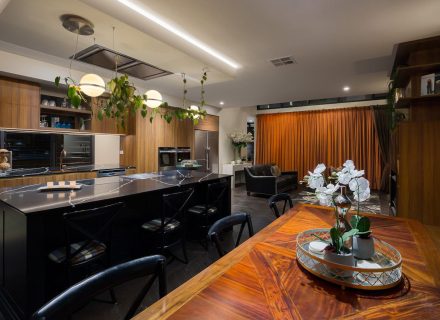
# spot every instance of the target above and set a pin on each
(105, 58)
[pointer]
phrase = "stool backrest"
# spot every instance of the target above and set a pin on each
(228, 222)
(174, 206)
(216, 193)
(275, 199)
(76, 296)
(90, 225)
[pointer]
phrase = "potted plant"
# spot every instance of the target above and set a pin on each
(363, 242)
(240, 140)
(337, 252)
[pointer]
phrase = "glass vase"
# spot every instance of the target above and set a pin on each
(237, 155)
(343, 204)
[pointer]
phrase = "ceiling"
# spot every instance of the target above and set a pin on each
(336, 43)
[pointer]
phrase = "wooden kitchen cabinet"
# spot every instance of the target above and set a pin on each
(19, 104)
(108, 125)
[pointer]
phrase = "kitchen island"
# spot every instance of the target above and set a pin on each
(31, 226)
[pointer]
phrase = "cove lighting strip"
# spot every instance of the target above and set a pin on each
(179, 33)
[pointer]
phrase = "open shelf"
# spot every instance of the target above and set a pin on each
(403, 74)
(49, 109)
(406, 102)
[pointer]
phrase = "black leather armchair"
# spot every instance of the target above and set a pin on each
(259, 179)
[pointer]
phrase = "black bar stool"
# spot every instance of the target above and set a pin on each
(66, 303)
(202, 216)
(170, 229)
(275, 199)
(87, 239)
(226, 223)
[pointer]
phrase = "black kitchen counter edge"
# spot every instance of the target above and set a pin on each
(29, 200)
(32, 172)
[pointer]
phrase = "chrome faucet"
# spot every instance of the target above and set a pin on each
(63, 155)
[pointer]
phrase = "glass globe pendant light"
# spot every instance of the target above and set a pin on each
(92, 85)
(154, 98)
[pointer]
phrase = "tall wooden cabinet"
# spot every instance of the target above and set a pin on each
(19, 104)
(415, 151)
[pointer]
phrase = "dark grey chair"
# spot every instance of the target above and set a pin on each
(226, 223)
(88, 241)
(170, 229)
(66, 303)
(202, 216)
(275, 199)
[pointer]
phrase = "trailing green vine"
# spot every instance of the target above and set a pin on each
(123, 102)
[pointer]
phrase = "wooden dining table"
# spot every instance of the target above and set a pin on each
(261, 279)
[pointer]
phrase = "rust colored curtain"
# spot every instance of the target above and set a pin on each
(300, 140)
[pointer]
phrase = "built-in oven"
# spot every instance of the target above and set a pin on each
(183, 154)
(167, 158)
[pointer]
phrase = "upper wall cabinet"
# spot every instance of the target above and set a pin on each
(210, 123)
(19, 104)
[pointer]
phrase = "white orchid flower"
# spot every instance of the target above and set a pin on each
(362, 196)
(349, 164)
(324, 199)
(357, 173)
(360, 188)
(329, 189)
(315, 180)
(359, 184)
(320, 168)
(344, 177)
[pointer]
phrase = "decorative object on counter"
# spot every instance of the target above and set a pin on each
(350, 250)
(5, 159)
(240, 140)
(188, 165)
(382, 271)
(61, 186)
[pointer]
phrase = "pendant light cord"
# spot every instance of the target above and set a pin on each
(74, 55)
(184, 90)
(116, 56)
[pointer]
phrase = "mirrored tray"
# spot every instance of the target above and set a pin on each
(382, 271)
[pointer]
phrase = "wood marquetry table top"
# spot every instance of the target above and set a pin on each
(262, 280)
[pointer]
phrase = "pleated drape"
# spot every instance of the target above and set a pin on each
(300, 140)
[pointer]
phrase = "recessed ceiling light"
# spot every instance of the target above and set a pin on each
(222, 103)
(150, 16)
(346, 88)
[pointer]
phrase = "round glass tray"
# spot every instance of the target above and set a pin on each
(382, 271)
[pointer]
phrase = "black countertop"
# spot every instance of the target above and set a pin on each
(27, 172)
(29, 200)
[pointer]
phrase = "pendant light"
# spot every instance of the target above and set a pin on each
(92, 85)
(154, 99)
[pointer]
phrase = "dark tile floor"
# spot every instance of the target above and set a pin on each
(178, 273)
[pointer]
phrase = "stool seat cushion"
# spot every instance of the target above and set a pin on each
(92, 250)
(154, 225)
(201, 210)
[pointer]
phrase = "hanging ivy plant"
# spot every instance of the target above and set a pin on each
(73, 91)
(123, 101)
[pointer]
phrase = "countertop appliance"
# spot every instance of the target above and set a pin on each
(206, 149)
